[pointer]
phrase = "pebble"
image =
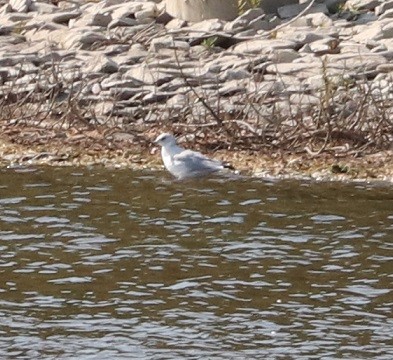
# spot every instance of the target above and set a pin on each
(20, 5)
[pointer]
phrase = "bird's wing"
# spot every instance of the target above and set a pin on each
(194, 161)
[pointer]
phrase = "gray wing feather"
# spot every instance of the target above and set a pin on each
(195, 162)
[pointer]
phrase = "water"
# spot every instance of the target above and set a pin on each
(98, 264)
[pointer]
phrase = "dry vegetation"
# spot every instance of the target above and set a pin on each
(349, 116)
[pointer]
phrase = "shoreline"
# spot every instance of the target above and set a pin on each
(374, 167)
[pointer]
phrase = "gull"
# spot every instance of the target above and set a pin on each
(182, 163)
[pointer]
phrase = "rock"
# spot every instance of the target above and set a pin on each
(6, 29)
(27, 68)
(235, 25)
(92, 19)
(373, 32)
(261, 24)
(262, 46)
(133, 55)
(199, 10)
(16, 17)
(175, 24)
(42, 7)
(232, 87)
(122, 22)
(316, 82)
(246, 34)
(325, 46)
(102, 64)
(156, 96)
(150, 75)
(9, 73)
(62, 17)
(225, 62)
(79, 38)
(117, 82)
(20, 5)
(300, 38)
(366, 18)
(289, 11)
(385, 68)
(178, 101)
(212, 25)
(49, 34)
(12, 59)
(304, 99)
(301, 70)
(96, 89)
(26, 79)
(271, 6)
(130, 14)
(387, 30)
(118, 136)
(5, 9)
(381, 48)
(356, 61)
(123, 11)
(377, 31)
(251, 15)
(353, 46)
(362, 4)
(148, 12)
(7, 40)
(128, 93)
(113, 50)
(388, 45)
(253, 18)
(163, 17)
(284, 56)
(319, 19)
(234, 74)
(107, 4)
(178, 84)
(167, 42)
(388, 14)
(383, 7)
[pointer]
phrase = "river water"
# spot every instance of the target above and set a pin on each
(115, 264)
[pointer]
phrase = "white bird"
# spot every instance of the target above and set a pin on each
(182, 163)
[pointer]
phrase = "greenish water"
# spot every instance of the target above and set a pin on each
(99, 264)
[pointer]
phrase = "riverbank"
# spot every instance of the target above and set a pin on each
(93, 149)
(92, 83)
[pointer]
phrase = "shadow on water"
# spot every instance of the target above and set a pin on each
(121, 264)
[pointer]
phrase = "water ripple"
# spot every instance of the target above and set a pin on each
(110, 264)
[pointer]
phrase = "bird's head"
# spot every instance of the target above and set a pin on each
(165, 139)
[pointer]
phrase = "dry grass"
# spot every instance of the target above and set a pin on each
(352, 115)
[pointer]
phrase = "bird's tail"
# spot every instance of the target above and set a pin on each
(228, 166)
